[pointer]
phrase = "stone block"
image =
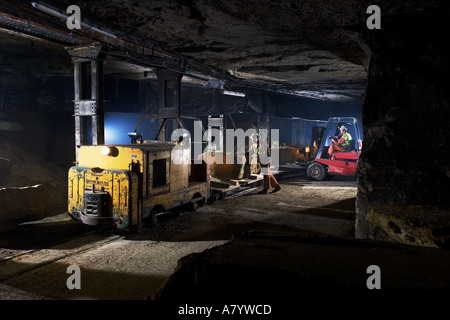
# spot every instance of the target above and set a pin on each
(427, 226)
(23, 204)
(291, 155)
(5, 169)
(221, 168)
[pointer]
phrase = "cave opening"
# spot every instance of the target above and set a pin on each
(403, 108)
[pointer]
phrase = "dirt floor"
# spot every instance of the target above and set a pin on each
(35, 256)
(326, 207)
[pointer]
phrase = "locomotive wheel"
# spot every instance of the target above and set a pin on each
(152, 219)
(193, 206)
(317, 171)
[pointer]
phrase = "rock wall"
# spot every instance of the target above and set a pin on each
(21, 168)
(37, 152)
(405, 159)
(5, 169)
(23, 204)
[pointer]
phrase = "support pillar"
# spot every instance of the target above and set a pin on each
(88, 103)
(98, 119)
(169, 100)
(80, 122)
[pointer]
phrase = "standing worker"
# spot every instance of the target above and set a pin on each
(269, 179)
(340, 143)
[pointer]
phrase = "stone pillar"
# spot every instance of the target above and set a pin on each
(405, 160)
(98, 135)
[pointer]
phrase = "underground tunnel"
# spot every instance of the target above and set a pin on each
(98, 103)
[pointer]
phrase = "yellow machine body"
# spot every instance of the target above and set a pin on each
(96, 195)
(122, 185)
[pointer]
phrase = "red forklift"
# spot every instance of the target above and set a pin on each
(341, 163)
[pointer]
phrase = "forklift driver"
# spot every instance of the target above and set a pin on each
(340, 143)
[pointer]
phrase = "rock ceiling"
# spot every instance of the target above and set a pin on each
(309, 47)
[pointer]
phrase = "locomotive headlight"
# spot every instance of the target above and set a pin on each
(110, 151)
(106, 151)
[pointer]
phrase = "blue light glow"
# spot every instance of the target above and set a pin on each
(117, 126)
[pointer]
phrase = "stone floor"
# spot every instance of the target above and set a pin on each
(301, 238)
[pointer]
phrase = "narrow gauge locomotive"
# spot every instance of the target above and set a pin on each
(127, 186)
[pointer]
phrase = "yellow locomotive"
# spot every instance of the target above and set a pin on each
(128, 186)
